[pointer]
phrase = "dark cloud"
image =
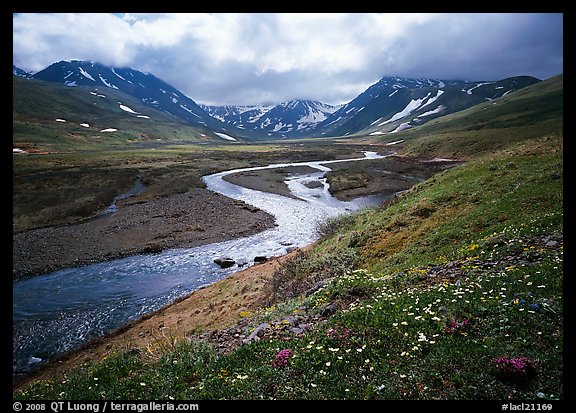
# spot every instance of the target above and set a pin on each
(257, 58)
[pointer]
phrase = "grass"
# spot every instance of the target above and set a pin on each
(432, 290)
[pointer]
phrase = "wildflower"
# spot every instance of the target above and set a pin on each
(518, 369)
(282, 358)
(338, 332)
(454, 327)
(534, 307)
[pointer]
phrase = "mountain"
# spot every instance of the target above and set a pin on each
(16, 71)
(147, 88)
(52, 116)
(393, 104)
(288, 119)
(530, 112)
(390, 105)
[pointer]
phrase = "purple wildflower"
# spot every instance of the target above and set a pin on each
(339, 332)
(518, 369)
(282, 358)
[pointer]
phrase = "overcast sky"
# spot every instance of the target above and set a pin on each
(256, 58)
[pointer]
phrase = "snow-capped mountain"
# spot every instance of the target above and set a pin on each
(287, 119)
(393, 104)
(16, 71)
(146, 87)
(390, 105)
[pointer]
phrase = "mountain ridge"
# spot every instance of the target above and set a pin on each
(146, 87)
(289, 118)
(388, 106)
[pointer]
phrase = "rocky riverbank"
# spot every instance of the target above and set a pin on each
(183, 220)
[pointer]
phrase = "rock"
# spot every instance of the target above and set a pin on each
(255, 335)
(260, 258)
(225, 262)
(329, 310)
(34, 360)
(242, 263)
(319, 284)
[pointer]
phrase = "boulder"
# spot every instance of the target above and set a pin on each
(225, 262)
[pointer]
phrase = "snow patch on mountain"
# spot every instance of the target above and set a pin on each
(469, 91)
(107, 83)
(127, 109)
(438, 109)
(410, 107)
(433, 99)
(224, 136)
(86, 74)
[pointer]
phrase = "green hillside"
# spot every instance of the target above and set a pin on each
(451, 291)
(530, 112)
(83, 113)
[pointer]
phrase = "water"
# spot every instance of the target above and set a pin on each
(58, 312)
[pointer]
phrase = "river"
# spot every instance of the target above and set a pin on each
(58, 312)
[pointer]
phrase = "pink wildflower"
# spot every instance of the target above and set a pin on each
(282, 358)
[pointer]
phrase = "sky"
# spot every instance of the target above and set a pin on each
(264, 58)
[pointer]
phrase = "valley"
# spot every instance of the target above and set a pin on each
(450, 221)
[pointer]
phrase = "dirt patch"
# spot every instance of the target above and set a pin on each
(184, 220)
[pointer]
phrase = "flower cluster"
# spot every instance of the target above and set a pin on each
(457, 327)
(338, 332)
(282, 358)
(518, 369)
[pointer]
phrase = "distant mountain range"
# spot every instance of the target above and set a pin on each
(390, 105)
(295, 118)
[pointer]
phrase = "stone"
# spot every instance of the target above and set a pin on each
(225, 262)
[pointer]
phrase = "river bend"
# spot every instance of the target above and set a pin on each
(58, 312)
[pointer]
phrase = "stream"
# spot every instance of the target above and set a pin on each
(60, 311)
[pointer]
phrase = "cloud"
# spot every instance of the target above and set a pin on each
(251, 58)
